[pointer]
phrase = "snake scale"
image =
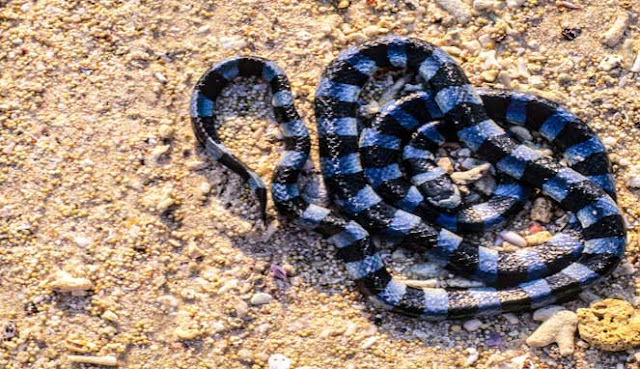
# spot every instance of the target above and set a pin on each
(365, 170)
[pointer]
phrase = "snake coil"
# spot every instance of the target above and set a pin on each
(364, 169)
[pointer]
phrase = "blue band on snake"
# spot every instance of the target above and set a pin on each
(364, 169)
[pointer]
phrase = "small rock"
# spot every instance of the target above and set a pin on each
(205, 187)
(472, 325)
(425, 270)
(626, 268)
(446, 164)
(279, 361)
(422, 283)
(64, 282)
(261, 298)
(614, 34)
(471, 175)
(369, 342)
(546, 312)
(521, 132)
(481, 5)
(538, 238)
(473, 356)
(232, 42)
(608, 63)
(633, 181)
(489, 75)
(186, 333)
(160, 150)
(542, 210)
(610, 325)
(197, 165)
(110, 316)
(560, 328)
(160, 77)
(457, 9)
(513, 238)
(463, 153)
(486, 185)
(343, 4)
(588, 296)
(515, 3)
(511, 318)
(165, 131)
(165, 203)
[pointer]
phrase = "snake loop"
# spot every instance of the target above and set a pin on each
(363, 168)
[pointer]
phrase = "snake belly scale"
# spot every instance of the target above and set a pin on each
(363, 169)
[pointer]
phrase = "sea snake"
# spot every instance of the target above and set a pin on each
(384, 183)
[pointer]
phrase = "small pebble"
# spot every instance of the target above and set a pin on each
(165, 131)
(538, 238)
(232, 42)
(511, 318)
(279, 361)
(261, 298)
(546, 312)
(473, 356)
(472, 325)
(160, 150)
(614, 34)
(513, 238)
(369, 342)
(343, 4)
(633, 181)
(521, 132)
(470, 175)
(160, 77)
(457, 9)
(542, 210)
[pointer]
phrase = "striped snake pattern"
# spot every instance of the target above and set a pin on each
(384, 182)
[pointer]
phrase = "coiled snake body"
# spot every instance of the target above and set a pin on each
(362, 168)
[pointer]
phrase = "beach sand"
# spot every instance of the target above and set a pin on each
(122, 241)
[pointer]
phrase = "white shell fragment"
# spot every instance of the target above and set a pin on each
(560, 328)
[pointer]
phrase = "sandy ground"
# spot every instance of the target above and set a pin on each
(106, 195)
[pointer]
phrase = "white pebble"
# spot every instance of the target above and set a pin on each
(369, 342)
(614, 34)
(511, 318)
(82, 241)
(609, 141)
(473, 355)
(634, 181)
(160, 77)
(636, 64)
(608, 63)
(513, 238)
(457, 9)
(158, 151)
(165, 131)
(515, 3)
(261, 298)
(472, 325)
(546, 312)
(232, 42)
(279, 361)
(205, 187)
